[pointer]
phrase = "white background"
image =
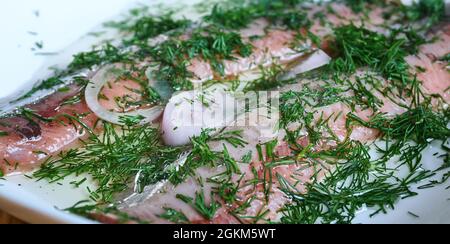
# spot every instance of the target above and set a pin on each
(59, 23)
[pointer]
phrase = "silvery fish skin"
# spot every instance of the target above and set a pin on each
(9, 104)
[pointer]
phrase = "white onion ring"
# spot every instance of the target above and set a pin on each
(93, 90)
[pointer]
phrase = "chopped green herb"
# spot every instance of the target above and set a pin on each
(84, 208)
(206, 210)
(202, 155)
(413, 214)
(432, 10)
(353, 184)
(446, 58)
(138, 150)
(360, 47)
(419, 124)
(277, 12)
(212, 44)
(235, 18)
(39, 45)
(44, 85)
(148, 27)
(247, 158)
(129, 120)
(363, 5)
(174, 216)
(346, 177)
(107, 54)
(270, 79)
(227, 190)
(230, 163)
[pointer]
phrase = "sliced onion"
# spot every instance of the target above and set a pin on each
(163, 87)
(316, 60)
(186, 116)
(93, 90)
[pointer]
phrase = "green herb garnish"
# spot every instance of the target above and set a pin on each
(356, 179)
(84, 208)
(44, 85)
(235, 18)
(278, 12)
(432, 10)
(363, 5)
(174, 216)
(148, 27)
(213, 45)
(208, 211)
(203, 156)
(360, 47)
(113, 160)
(107, 54)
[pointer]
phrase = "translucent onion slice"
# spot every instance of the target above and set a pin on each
(93, 90)
(189, 112)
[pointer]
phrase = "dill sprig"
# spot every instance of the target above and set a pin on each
(87, 210)
(121, 156)
(278, 12)
(113, 160)
(413, 38)
(174, 216)
(213, 45)
(44, 85)
(208, 211)
(234, 18)
(105, 55)
(431, 10)
(363, 89)
(355, 179)
(419, 124)
(142, 25)
(295, 105)
(269, 79)
(363, 5)
(149, 27)
(202, 155)
(361, 47)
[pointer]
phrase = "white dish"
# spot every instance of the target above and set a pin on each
(59, 25)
